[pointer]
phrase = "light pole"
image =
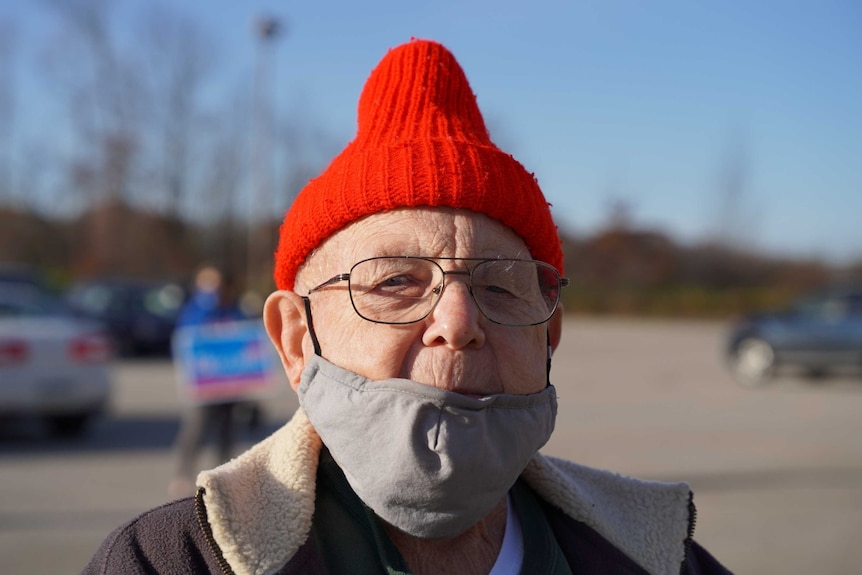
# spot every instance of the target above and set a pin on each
(259, 241)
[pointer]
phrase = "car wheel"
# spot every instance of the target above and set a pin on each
(752, 362)
(70, 425)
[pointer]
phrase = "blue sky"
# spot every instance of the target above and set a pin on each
(617, 100)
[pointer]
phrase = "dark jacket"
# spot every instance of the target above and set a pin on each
(254, 515)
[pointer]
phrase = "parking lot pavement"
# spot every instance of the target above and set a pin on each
(777, 472)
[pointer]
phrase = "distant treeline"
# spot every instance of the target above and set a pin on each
(166, 159)
(633, 272)
(619, 270)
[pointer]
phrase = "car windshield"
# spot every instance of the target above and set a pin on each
(812, 306)
(164, 301)
(830, 305)
(105, 299)
(18, 299)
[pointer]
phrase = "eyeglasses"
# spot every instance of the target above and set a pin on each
(404, 289)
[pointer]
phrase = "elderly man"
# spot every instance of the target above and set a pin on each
(416, 315)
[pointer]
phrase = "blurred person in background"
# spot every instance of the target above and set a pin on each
(214, 300)
(416, 315)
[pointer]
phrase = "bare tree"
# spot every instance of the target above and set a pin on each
(619, 216)
(101, 91)
(142, 133)
(178, 59)
(222, 180)
(303, 151)
(99, 87)
(736, 221)
(7, 106)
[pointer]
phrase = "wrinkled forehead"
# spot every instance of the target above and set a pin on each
(422, 231)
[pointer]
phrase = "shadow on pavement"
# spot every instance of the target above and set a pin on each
(137, 433)
(833, 477)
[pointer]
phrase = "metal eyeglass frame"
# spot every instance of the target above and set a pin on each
(561, 283)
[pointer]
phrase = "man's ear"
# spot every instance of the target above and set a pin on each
(285, 322)
(555, 327)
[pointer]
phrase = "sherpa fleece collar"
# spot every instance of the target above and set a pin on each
(260, 505)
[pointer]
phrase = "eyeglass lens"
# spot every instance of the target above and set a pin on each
(405, 290)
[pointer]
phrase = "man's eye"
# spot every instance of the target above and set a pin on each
(395, 281)
(498, 290)
(402, 285)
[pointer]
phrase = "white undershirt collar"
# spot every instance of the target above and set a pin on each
(512, 551)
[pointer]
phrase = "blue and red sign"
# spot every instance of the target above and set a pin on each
(226, 361)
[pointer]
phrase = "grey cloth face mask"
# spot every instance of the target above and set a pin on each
(428, 461)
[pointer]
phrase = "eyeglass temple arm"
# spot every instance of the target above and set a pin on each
(329, 282)
(310, 324)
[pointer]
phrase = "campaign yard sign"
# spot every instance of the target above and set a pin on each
(226, 361)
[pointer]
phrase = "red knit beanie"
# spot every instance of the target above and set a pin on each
(421, 142)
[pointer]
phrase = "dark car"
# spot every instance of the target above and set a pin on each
(820, 332)
(140, 315)
(15, 273)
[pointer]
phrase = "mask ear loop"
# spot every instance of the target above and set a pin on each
(550, 351)
(313, 335)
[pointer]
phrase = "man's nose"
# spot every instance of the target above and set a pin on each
(456, 320)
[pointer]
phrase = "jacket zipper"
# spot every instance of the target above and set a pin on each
(203, 521)
(692, 519)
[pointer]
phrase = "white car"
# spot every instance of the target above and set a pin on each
(52, 365)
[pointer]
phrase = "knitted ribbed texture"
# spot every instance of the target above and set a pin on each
(421, 142)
